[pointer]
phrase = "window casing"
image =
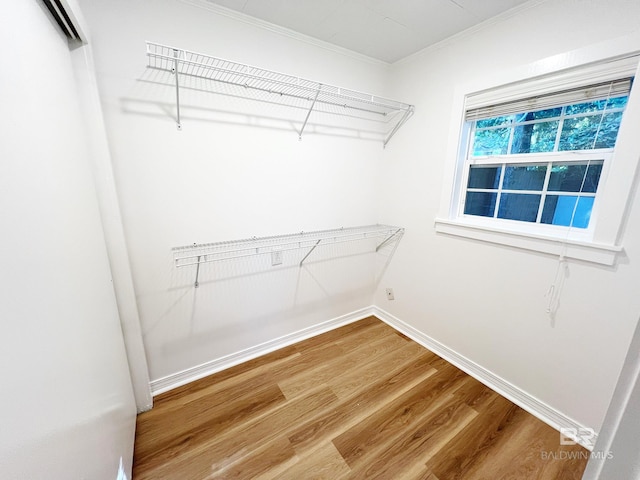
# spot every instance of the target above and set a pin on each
(540, 166)
(596, 240)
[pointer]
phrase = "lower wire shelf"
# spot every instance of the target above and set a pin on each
(307, 242)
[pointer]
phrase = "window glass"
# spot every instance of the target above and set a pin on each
(525, 177)
(518, 206)
(484, 177)
(559, 210)
(585, 107)
(570, 177)
(618, 102)
(548, 113)
(480, 203)
(491, 142)
(609, 130)
(535, 137)
(493, 122)
(579, 133)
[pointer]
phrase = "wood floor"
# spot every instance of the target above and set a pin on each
(362, 401)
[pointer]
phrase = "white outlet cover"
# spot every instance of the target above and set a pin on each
(276, 258)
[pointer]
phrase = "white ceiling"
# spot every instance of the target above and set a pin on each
(388, 30)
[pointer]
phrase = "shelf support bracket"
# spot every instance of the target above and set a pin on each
(309, 252)
(306, 119)
(175, 72)
(402, 121)
(388, 239)
(197, 272)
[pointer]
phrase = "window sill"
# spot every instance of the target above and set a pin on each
(587, 251)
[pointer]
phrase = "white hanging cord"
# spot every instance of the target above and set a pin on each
(555, 290)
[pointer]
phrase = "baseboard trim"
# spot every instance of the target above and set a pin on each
(537, 408)
(178, 379)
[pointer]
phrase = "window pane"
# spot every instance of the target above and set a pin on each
(484, 177)
(548, 113)
(585, 107)
(608, 132)
(517, 206)
(494, 121)
(595, 106)
(558, 210)
(491, 142)
(480, 203)
(535, 137)
(619, 102)
(537, 115)
(579, 133)
(530, 177)
(569, 178)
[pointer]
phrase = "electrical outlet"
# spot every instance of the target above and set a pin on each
(390, 294)
(276, 258)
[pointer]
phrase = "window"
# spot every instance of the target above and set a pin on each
(542, 165)
(545, 163)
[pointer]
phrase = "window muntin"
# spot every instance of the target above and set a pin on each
(539, 166)
(553, 193)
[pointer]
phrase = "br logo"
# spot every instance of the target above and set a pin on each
(572, 436)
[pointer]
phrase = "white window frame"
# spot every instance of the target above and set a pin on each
(601, 241)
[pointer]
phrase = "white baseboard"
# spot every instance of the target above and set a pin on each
(537, 408)
(178, 379)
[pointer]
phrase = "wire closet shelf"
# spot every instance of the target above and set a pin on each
(307, 242)
(315, 96)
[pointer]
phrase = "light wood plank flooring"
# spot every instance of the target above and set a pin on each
(362, 401)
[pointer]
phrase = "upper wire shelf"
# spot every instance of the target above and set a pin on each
(197, 254)
(317, 96)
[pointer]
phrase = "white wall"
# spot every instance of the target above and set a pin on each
(228, 176)
(108, 202)
(618, 439)
(484, 301)
(67, 404)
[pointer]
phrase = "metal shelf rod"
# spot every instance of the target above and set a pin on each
(402, 121)
(197, 273)
(306, 119)
(175, 71)
(309, 252)
(386, 240)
